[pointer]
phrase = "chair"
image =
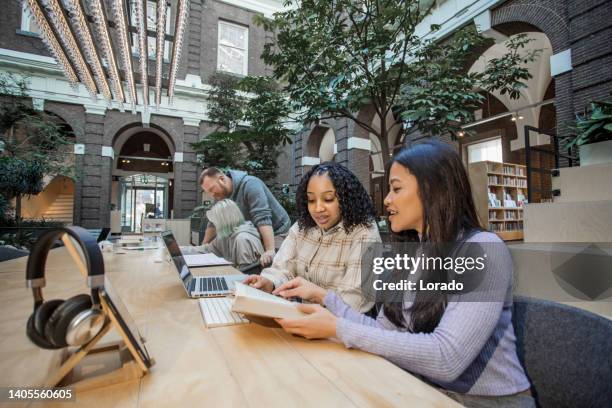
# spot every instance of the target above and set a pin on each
(566, 352)
(8, 252)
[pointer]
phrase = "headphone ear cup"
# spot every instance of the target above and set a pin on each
(57, 325)
(36, 337)
(42, 314)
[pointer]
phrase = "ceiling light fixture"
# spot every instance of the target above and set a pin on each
(181, 22)
(99, 21)
(77, 18)
(162, 6)
(124, 49)
(143, 50)
(52, 44)
(58, 21)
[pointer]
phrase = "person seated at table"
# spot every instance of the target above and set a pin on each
(335, 224)
(237, 240)
(467, 348)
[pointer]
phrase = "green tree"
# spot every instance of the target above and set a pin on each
(337, 57)
(34, 144)
(250, 131)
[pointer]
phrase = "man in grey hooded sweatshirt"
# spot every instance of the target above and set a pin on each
(254, 199)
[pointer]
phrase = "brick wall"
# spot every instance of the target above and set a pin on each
(584, 26)
(10, 27)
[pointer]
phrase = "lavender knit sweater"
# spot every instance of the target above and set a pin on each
(471, 351)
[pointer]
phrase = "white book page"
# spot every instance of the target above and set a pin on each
(205, 260)
(247, 291)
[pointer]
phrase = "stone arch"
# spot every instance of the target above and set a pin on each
(547, 16)
(366, 115)
(116, 122)
(124, 134)
(72, 115)
(532, 94)
(320, 142)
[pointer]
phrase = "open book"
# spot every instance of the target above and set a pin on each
(251, 301)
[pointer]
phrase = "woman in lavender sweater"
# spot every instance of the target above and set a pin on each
(466, 348)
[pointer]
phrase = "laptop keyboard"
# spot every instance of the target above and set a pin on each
(218, 312)
(211, 284)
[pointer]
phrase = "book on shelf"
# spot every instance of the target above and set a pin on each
(510, 215)
(509, 181)
(496, 226)
(251, 301)
(514, 225)
(508, 170)
(510, 203)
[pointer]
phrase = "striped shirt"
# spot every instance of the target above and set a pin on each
(330, 259)
(471, 351)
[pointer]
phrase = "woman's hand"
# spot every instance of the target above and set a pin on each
(319, 323)
(267, 258)
(259, 282)
(300, 287)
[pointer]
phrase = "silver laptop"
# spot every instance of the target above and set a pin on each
(198, 286)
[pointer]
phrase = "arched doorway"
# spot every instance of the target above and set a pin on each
(500, 121)
(378, 156)
(321, 143)
(56, 201)
(143, 174)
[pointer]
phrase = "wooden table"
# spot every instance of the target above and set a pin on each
(245, 365)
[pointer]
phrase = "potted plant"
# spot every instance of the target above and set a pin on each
(594, 135)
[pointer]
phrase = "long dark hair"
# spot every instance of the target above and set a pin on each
(356, 206)
(448, 211)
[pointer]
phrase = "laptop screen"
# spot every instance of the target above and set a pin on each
(177, 258)
(103, 234)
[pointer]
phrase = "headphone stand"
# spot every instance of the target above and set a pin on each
(132, 367)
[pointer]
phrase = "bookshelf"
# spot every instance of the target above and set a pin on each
(500, 192)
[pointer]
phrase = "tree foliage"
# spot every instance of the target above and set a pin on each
(338, 57)
(250, 131)
(34, 144)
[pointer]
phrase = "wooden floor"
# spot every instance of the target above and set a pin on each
(246, 365)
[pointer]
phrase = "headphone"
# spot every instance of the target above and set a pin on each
(57, 323)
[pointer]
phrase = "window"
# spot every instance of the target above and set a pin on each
(151, 26)
(490, 150)
(232, 55)
(28, 24)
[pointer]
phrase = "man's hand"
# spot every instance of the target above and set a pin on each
(267, 257)
(300, 287)
(259, 282)
(319, 323)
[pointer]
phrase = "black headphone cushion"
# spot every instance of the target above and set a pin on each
(62, 316)
(42, 314)
(36, 337)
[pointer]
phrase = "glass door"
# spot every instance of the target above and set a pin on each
(142, 196)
